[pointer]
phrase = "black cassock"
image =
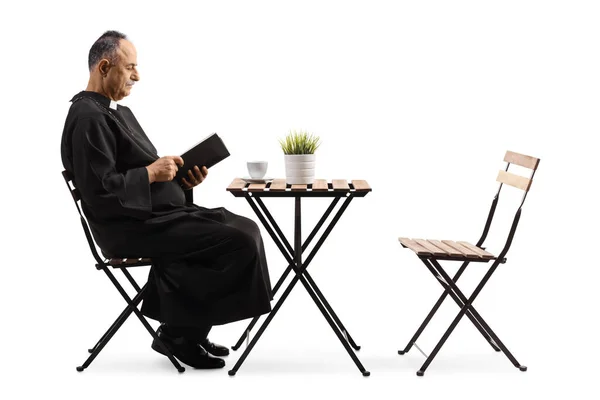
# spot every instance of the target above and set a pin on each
(209, 265)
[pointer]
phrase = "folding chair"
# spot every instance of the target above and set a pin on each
(430, 252)
(121, 264)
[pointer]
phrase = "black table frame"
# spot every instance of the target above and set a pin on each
(293, 255)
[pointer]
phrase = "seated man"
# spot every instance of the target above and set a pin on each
(208, 265)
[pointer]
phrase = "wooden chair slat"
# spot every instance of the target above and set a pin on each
(76, 195)
(278, 185)
(450, 250)
(482, 253)
(340, 184)
(319, 185)
(465, 251)
(257, 187)
(414, 246)
(520, 182)
(361, 185)
(299, 188)
(431, 247)
(522, 160)
(236, 185)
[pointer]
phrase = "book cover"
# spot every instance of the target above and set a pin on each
(207, 152)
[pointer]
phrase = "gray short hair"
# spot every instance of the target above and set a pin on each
(105, 47)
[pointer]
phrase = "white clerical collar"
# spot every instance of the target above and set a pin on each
(113, 104)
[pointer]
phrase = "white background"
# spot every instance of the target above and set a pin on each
(420, 98)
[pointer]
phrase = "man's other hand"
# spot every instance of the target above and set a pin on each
(194, 179)
(164, 169)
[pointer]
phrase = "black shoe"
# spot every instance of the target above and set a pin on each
(214, 349)
(186, 351)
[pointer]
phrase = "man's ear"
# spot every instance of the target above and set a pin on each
(104, 66)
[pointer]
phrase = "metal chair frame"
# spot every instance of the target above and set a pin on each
(122, 264)
(430, 257)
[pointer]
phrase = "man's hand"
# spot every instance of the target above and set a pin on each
(194, 179)
(164, 169)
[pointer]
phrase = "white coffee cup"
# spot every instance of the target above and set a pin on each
(257, 169)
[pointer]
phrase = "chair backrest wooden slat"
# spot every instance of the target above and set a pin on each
(522, 160)
(511, 179)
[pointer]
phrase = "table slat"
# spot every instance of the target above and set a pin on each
(340, 184)
(257, 187)
(278, 185)
(236, 185)
(361, 185)
(299, 188)
(319, 185)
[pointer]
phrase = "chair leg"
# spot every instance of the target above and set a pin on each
(112, 330)
(437, 305)
(496, 339)
(131, 307)
(459, 298)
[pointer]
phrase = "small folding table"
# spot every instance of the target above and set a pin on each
(337, 190)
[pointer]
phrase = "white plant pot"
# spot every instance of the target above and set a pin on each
(299, 169)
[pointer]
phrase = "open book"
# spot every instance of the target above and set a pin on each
(208, 152)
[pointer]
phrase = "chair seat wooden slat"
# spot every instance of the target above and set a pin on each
(436, 251)
(482, 253)
(452, 252)
(464, 250)
(414, 246)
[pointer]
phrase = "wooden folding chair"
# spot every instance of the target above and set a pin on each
(430, 252)
(121, 264)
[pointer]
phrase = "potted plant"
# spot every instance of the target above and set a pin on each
(299, 153)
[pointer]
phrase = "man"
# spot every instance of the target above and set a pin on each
(209, 266)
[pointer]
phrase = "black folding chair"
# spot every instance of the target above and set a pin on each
(121, 264)
(432, 251)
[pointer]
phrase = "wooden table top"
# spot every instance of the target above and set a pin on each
(320, 187)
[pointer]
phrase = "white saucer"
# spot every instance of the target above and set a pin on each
(247, 179)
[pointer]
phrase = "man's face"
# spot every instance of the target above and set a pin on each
(122, 74)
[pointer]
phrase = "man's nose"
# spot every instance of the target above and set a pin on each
(135, 76)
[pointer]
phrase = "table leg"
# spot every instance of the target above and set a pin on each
(320, 295)
(280, 238)
(299, 268)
